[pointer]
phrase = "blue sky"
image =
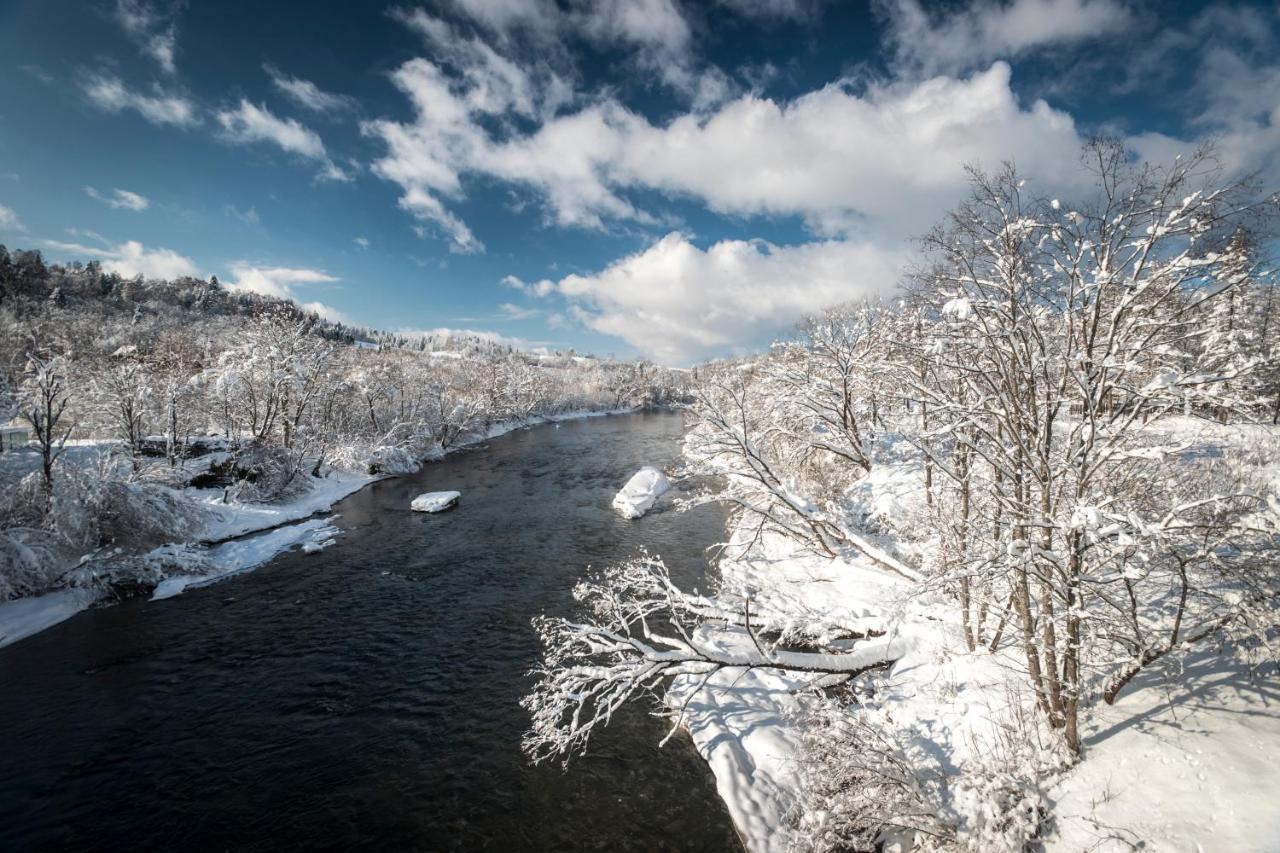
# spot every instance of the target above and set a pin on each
(674, 179)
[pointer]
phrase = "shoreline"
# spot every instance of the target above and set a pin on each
(21, 618)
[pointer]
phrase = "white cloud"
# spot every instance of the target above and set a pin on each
(972, 35)
(362, 242)
(656, 35)
(119, 199)
(537, 288)
(275, 281)
(110, 94)
(678, 303)
(249, 123)
(282, 283)
(152, 29)
(131, 258)
(308, 95)
(327, 312)
(9, 220)
(881, 161)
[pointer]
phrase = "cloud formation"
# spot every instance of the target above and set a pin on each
(131, 258)
(306, 94)
(281, 282)
(9, 220)
(120, 199)
(249, 123)
(152, 28)
(160, 108)
(679, 303)
(842, 159)
(964, 37)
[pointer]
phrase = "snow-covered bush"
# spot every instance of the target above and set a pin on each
(868, 780)
(31, 561)
(267, 472)
(381, 459)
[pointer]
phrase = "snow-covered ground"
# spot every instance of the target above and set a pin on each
(236, 518)
(242, 555)
(23, 617)
(641, 492)
(1186, 760)
(741, 721)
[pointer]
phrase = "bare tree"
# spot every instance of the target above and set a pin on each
(44, 399)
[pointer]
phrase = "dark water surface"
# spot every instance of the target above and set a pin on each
(365, 697)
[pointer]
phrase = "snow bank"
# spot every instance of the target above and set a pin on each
(243, 555)
(435, 501)
(236, 519)
(742, 721)
(641, 491)
(23, 617)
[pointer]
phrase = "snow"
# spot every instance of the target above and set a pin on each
(232, 519)
(641, 492)
(1184, 761)
(23, 617)
(243, 555)
(435, 501)
(1208, 736)
(740, 721)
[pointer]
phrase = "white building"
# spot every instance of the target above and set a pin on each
(13, 437)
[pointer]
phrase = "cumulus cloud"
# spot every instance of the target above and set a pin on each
(677, 302)
(275, 281)
(120, 199)
(131, 258)
(879, 160)
(152, 28)
(972, 35)
(249, 123)
(160, 108)
(282, 283)
(362, 242)
(9, 220)
(306, 94)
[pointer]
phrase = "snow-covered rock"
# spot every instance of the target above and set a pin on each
(435, 501)
(641, 491)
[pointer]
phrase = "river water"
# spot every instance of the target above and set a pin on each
(366, 697)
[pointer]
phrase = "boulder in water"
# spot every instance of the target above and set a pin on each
(641, 492)
(435, 501)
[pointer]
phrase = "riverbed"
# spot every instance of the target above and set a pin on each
(366, 697)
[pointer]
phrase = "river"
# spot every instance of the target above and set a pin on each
(366, 697)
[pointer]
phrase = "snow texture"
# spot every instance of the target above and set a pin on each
(243, 555)
(641, 492)
(435, 501)
(23, 617)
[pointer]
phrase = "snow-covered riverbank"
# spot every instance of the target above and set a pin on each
(224, 545)
(960, 720)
